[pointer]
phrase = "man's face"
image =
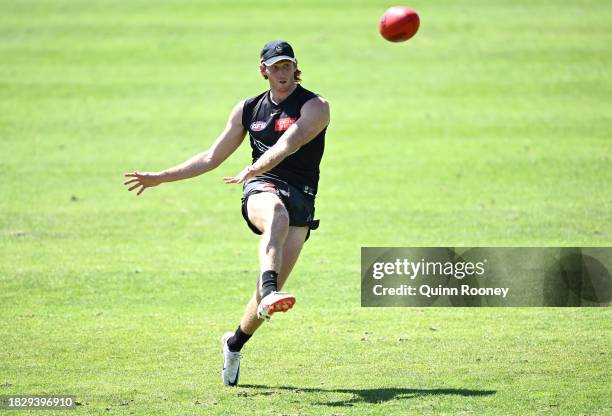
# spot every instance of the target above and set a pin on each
(279, 74)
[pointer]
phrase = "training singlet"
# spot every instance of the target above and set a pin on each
(266, 122)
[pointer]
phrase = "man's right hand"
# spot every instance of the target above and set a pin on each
(143, 180)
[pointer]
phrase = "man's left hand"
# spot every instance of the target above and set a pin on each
(246, 174)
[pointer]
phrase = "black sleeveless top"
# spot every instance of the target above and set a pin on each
(266, 122)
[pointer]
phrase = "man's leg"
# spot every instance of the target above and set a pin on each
(279, 250)
(291, 251)
(250, 322)
(262, 208)
(269, 215)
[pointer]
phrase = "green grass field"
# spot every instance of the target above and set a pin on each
(491, 127)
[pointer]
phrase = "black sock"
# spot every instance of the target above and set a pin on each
(268, 282)
(237, 341)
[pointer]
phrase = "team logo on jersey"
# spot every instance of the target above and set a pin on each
(258, 125)
(283, 124)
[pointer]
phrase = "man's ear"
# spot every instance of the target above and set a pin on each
(262, 71)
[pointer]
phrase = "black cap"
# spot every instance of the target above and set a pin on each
(276, 50)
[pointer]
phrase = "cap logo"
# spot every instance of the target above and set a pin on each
(278, 49)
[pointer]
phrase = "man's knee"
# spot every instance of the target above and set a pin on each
(268, 213)
(279, 218)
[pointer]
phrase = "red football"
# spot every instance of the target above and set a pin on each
(399, 23)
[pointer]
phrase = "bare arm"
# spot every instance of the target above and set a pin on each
(313, 119)
(227, 142)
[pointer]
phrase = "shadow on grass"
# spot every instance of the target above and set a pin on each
(366, 395)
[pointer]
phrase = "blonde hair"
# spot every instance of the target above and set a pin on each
(297, 75)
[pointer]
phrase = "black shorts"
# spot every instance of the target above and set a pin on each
(300, 206)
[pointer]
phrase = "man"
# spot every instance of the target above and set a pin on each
(286, 127)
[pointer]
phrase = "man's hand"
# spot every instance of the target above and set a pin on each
(246, 174)
(142, 179)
